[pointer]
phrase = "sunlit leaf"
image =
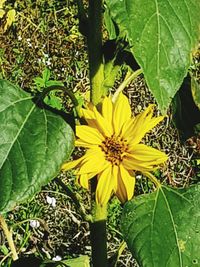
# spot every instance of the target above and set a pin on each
(109, 25)
(46, 74)
(54, 83)
(53, 101)
(33, 145)
(162, 229)
(162, 35)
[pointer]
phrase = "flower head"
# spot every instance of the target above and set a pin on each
(113, 151)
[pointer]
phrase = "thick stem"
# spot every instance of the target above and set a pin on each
(98, 236)
(98, 230)
(83, 20)
(96, 68)
(96, 65)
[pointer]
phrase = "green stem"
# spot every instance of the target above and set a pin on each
(120, 250)
(153, 179)
(69, 93)
(127, 80)
(96, 65)
(8, 235)
(98, 236)
(114, 259)
(97, 90)
(81, 11)
(83, 20)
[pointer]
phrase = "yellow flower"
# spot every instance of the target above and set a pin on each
(113, 152)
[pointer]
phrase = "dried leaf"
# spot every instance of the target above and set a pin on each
(2, 12)
(10, 19)
(2, 3)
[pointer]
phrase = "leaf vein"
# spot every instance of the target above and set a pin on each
(174, 227)
(185, 29)
(15, 102)
(18, 133)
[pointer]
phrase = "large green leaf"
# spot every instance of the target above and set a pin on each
(34, 143)
(162, 34)
(162, 229)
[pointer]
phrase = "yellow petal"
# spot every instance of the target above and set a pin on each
(143, 158)
(105, 186)
(103, 126)
(87, 114)
(142, 124)
(83, 181)
(130, 163)
(128, 128)
(89, 134)
(122, 112)
(145, 126)
(121, 190)
(107, 109)
(139, 124)
(153, 122)
(82, 143)
(115, 171)
(71, 164)
(93, 123)
(128, 181)
(90, 117)
(93, 162)
(148, 155)
(126, 185)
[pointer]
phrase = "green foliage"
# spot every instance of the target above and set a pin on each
(109, 25)
(114, 212)
(162, 36)
(162, 229)
(82, 261)
(53, 100)
(43, 82)
(34, 144)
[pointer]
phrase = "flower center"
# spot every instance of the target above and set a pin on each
(114, 148)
